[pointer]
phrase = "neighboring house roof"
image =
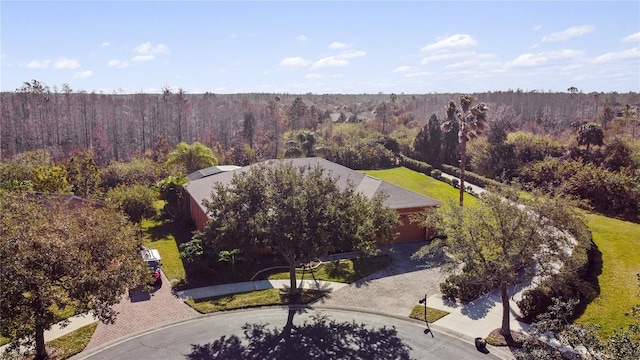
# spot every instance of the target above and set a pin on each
(397, 197)
(65, 199)
(211, 171)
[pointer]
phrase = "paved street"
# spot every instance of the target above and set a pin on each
(222, 336)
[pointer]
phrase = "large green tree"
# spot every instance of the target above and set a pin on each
(590, 134)
(192, 156)
(56, 257)
(297, 212)
(508, 240)
(470, 122)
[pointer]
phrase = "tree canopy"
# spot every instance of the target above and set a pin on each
(298, 213)
(192, 156)
(55, 257)
(502, 242)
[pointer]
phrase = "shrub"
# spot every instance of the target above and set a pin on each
(436, 174)
(416, 165)
(471, 177)
(137, 171)
(576, 280)
(136, 201)
(465, 287)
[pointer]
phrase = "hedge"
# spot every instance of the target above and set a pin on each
(470, 177)
(416, 165)
(576, 280)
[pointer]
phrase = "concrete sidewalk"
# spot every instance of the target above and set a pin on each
(477, 318)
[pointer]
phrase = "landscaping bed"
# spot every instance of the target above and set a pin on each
(344, 271)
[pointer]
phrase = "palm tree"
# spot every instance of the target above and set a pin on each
(472, 121)
(193, 157)
(304, 144)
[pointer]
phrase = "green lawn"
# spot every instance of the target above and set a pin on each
(432, 314)
(421, 184)
(619, 242)
(73, 342)
(160, 234)
(249, 299)
(344, 271)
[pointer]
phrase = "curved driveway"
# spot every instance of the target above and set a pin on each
(299, 333)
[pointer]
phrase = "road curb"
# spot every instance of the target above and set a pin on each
(434, 327)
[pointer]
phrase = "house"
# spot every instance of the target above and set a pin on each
(405, 202)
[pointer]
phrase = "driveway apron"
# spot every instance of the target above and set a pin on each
(394, 290)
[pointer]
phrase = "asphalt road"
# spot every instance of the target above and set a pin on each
(281, 333)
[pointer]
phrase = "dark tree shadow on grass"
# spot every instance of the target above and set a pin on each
(318, 338)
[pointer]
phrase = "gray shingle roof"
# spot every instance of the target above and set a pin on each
(211, 171)
(397, 197)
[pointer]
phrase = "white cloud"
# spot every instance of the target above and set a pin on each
(338, 45)
(294, 62)
(39, 64)
(330, 61)
(83, 74)
(453, 42)
(536, 27)
(64, 63)
(417, 74)
(570, 33)
(313, 76)
(625, 54)
(117, 64)
(527, 60)
(351, 54)
(302, 38)
(105, 44)
(148, 48)
(446, 56)
(404, 68)
(632, 38)
(139, 58)
(233, 36)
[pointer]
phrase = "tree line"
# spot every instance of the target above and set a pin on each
(119, 126)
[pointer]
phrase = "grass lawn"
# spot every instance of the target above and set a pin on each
(161, 234)
(344, 271)
(421, 184)
(250, 299)
(432, 314)
(619, 242)
(73, 342)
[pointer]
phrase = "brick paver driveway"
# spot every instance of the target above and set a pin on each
(394, 290)
(142, 312)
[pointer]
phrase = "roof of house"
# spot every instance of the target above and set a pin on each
(211, 171)
(397, 197)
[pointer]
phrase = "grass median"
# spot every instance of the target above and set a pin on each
(252, 299)
(432, 314)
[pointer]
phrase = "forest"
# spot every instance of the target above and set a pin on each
(582, 144)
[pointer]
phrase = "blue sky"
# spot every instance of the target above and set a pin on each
(321, 47)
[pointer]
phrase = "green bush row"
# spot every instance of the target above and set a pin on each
(471, 177)
(416, 165)
(576, 280)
